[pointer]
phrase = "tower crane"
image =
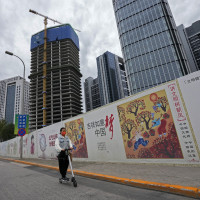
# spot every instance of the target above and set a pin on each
(45, 60)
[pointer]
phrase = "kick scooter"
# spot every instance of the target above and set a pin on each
(73, 180)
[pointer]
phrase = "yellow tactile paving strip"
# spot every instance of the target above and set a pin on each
(175, 189)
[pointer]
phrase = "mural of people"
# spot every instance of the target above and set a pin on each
(158, 137)
(32, 145)
(76, 132)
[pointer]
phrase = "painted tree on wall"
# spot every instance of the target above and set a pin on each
(134, 106)
(127, 127)
(72, 125)
(144, 116)
(121, 113)
(162, 103)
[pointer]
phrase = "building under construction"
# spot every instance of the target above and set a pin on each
(63, 77)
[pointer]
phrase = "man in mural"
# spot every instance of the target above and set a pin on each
(139, 140)
(62, 144)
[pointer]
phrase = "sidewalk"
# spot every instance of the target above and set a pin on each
(184, 180)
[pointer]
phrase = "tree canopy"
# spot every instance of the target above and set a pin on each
(6, 131)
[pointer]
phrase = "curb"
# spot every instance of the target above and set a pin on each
(175, 189)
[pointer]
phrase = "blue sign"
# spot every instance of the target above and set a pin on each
(22, 121)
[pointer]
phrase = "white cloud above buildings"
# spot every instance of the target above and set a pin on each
(95, 19)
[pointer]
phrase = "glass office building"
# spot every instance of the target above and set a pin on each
(193, 33)
(10, 103)
(188, 49)
(92, 97)
(11, 97)
(150, 43)
(112, 78)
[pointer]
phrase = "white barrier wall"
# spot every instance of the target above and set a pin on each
(10, 148)
(46, 141)
(190, 89)
(159, 125)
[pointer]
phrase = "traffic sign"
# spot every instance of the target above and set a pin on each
(21, 121)
(21, 132)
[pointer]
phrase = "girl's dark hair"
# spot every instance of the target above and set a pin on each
(61, 129)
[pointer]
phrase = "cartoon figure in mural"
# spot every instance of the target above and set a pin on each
(62, 144)
(32, 145)
(156, 122)
(43, 145)
(81, 136)
(155, 108)
(76, 133)
(161, 123)
(139, 140)
(162, 127)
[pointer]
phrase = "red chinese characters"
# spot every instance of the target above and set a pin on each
(52, 139)
(109, 122)
(176, 101)
(102, 125)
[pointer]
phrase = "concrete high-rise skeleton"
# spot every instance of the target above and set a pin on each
(63, 93)
(150, 44)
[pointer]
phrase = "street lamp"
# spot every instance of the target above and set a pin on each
(21, 102)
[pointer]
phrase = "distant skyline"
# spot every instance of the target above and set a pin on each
(94, 18)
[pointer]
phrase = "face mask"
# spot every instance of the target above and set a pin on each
(63, 133)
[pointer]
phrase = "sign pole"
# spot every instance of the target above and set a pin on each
(21, 131)
(21, 146)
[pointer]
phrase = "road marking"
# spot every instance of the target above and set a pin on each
(19, 164)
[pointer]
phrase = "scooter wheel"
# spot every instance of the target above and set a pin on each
(75, 183)
(72, 179)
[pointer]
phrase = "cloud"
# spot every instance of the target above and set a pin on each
(185, 11)
(95, 19)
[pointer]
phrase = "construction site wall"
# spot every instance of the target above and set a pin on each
(159, 125)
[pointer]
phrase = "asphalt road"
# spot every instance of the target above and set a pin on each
(25, 182)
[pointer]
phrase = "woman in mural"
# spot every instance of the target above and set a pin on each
(162, 128)
(62, 144)
(32, 145)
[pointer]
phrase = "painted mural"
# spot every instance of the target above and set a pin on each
(76, 132)
(148, 128)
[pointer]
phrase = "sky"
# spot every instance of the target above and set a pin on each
(95, 19)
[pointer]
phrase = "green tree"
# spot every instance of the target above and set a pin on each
(7, 132)
(2, 124)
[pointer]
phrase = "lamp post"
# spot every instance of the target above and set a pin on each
(21, 102)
